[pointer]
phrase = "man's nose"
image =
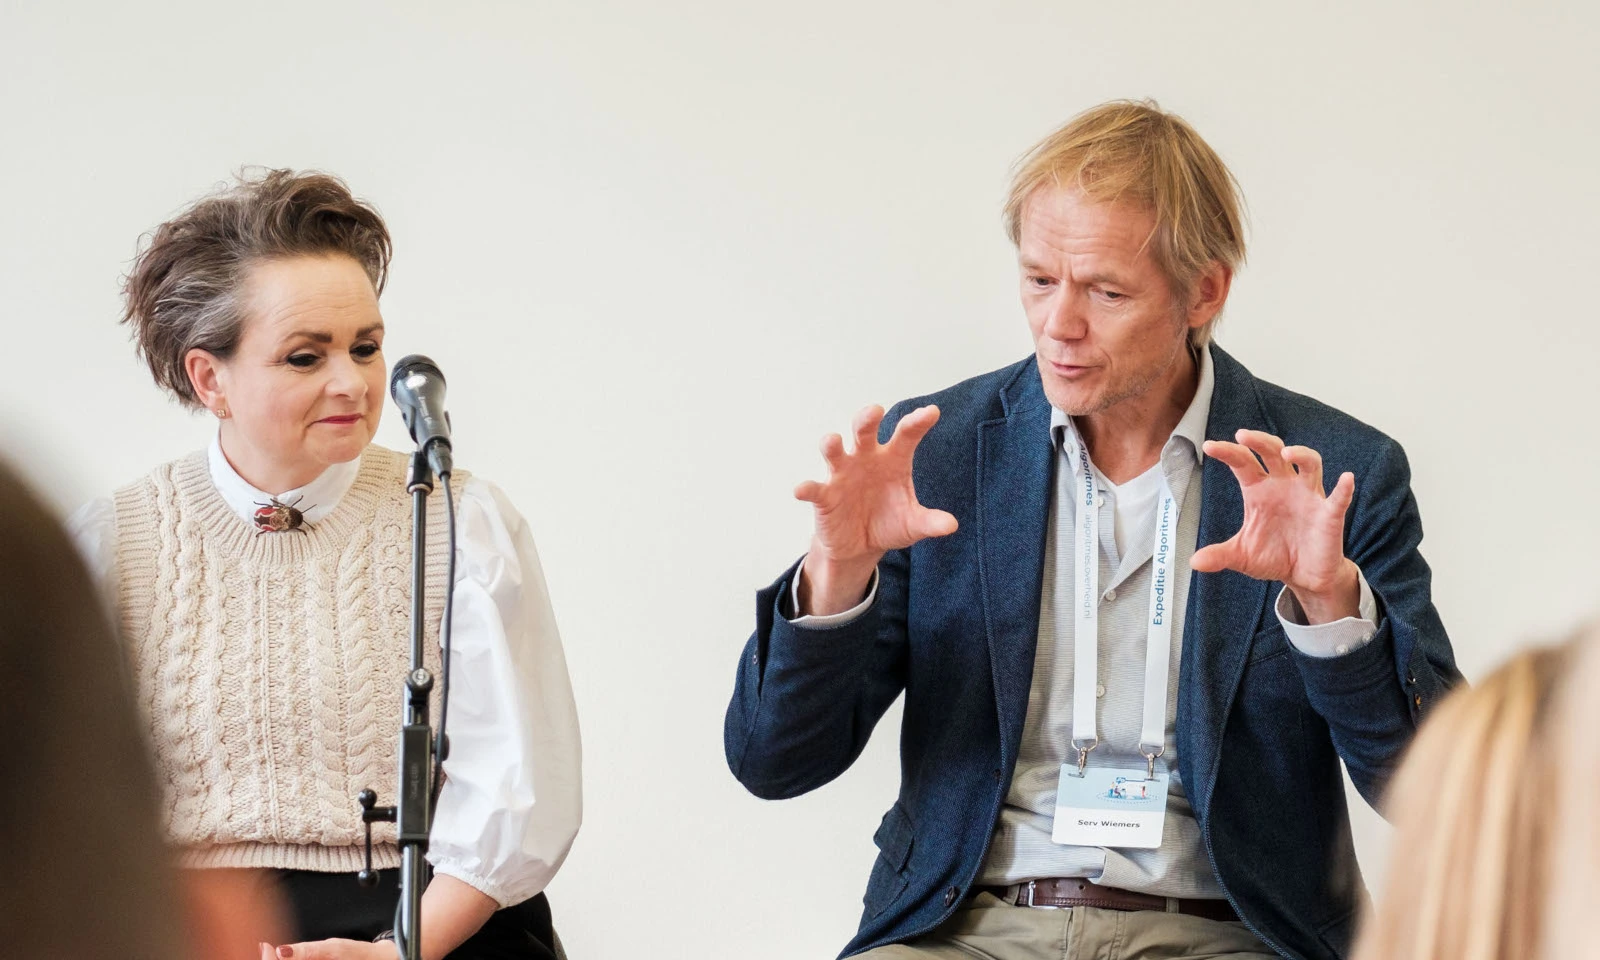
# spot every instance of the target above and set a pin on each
(1068, 320)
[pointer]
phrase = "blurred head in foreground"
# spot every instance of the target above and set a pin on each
(86, 874)
(1495, 854)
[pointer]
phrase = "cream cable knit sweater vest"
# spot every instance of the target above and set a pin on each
(269, 666)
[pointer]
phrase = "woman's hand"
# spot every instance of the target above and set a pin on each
(331, 950)
(452, 912)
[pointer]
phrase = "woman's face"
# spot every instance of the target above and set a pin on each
(304, 388)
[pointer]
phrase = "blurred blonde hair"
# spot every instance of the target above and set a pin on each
(1473, 808)
(1134, 151)
(1569, 928)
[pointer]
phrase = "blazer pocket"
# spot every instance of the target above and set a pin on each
(1269, 641)
(894, 839)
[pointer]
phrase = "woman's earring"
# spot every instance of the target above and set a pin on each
(222, 413)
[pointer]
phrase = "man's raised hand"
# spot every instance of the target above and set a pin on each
(1292, 531)
(867, 507)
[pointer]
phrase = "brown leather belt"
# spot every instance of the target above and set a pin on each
(1075, 892)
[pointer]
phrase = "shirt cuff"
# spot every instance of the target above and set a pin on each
(500, 895)
(824, 621)
(1333, 639)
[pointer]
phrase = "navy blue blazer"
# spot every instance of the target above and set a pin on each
(1261, 727)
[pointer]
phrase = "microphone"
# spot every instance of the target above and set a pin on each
(417, 387)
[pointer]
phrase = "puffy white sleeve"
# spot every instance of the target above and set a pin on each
(93, 527)
(513, 793)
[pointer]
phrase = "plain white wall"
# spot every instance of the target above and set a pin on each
(659, 249)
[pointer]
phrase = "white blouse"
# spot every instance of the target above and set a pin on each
(513, 797)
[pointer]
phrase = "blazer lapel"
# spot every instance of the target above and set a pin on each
(1223, 608)
(1015, 473)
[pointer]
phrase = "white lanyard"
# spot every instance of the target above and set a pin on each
(1086, 638)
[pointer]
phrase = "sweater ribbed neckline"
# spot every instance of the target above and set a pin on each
(237, 537)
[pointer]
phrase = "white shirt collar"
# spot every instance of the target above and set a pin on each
(1191, 427)
(315, 500)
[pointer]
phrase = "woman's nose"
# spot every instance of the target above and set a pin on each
(346, 380)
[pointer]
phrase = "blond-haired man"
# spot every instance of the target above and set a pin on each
(1115, 744)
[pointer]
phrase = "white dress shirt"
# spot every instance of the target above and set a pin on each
(512, 799)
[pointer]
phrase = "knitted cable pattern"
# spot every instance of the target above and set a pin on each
(269, 666)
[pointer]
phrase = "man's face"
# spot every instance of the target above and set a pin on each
(1105, 324)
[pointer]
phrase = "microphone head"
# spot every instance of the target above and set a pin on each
(408, 366)
(417, 387)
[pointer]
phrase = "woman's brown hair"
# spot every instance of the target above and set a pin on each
(183, 291)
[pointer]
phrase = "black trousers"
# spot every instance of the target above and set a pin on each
(325, 905)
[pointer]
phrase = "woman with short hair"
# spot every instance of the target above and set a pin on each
(263, 588)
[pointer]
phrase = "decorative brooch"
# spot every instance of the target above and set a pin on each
(277, 516)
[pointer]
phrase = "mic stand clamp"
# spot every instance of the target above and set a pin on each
(371, 814)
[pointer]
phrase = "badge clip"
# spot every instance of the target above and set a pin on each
(1083, 753)
(1151, 758)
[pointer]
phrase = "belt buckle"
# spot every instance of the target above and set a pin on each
(1026, 891)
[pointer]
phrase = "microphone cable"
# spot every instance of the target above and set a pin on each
(441, 744)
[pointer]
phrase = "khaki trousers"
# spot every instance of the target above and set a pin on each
(990, 929)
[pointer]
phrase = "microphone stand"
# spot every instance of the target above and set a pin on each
(413, 814)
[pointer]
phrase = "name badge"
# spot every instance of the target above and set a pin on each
(1110, 806)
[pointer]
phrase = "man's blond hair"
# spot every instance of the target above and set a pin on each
(1133, 151)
